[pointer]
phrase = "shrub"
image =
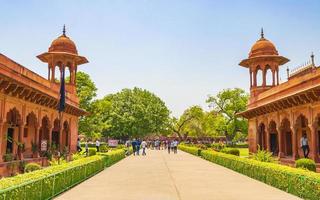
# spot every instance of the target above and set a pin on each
(190, 149)
(92, 151)
(218, 146)
(30, 167)
(103, 148)
(306, 163)
(232, 151)
(112, 157)
(263, 156)
(77, 156)
(299, 182)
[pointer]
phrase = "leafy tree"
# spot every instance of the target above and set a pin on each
(86, 91)
(134, 113)
(228, 103)
(179, 125)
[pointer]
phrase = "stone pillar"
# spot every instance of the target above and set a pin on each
(281, 152)
(255, 78)
(250, 78)
(2, 135)
(273, 77)
(264, 74)
(36, 141)
(313, 143)
(277, 76)
(20, 141)
(53, 73)
(294, 143)
(268, 141)
(50, 136)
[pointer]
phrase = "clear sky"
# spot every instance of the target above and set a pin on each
(181, 50)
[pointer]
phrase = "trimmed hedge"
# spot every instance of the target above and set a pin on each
(112, 157)
(51, 181)
(306, 163)
(30, 167)
(193, 150)
(232, 151)
(299, 182)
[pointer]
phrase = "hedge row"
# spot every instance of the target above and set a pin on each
(51, 181)
(299, 182)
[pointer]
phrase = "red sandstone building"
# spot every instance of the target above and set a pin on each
(279, 114)
(28, 105)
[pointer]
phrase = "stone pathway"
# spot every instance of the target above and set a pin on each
(159, 176)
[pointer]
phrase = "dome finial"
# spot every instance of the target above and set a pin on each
(262, 34)
(64, 30)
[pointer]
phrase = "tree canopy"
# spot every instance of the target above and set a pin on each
(135, 113)
(228, 103)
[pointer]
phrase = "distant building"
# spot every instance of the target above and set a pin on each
(28, 105)
(279, 114)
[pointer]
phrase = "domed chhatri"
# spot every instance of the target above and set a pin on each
(63, 44)
(263, 47)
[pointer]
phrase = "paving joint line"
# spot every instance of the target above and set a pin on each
(172, 179)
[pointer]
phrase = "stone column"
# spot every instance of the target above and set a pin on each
(53, 73)
(264, 74)
(277, 76)
(268, 140)
(313, 143)
(250, 78)
(273, 77)
(280, 143)
(255, 78)
(50, 136)
(20, 141)
(294, 143)
(2, 134)
(36, 141)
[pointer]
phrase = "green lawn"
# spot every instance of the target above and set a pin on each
(244, 152)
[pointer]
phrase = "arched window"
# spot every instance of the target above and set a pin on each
(268, 76)
(259, 77)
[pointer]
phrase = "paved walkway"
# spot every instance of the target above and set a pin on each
(159, 176)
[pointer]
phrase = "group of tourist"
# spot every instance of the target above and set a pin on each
(170, 145)
(86, 146)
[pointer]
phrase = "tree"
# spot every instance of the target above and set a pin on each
(228, 103)
(135, 113)
(86, 91)
(179, 125)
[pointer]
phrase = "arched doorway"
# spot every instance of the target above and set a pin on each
(262, 136)
(29, 134)
(286, 137)
(55, 134)
(44, 130)
(65, 134)
(274, 143)
(301, 129)
(317, 124)
(12, 134)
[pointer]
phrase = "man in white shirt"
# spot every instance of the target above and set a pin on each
(304, 145)
(98, 145)
(144, 146)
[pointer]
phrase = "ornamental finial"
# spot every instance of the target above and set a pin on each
(64, 30)
(262, 34)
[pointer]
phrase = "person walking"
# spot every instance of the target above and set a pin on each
(144, 146)
(175, 146)
(138, 147)
(304, 145)
(98, 145)
(169, 146)
(134, 148)
(86, 145)
(79, 149)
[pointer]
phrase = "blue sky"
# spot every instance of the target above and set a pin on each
(181, 50)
